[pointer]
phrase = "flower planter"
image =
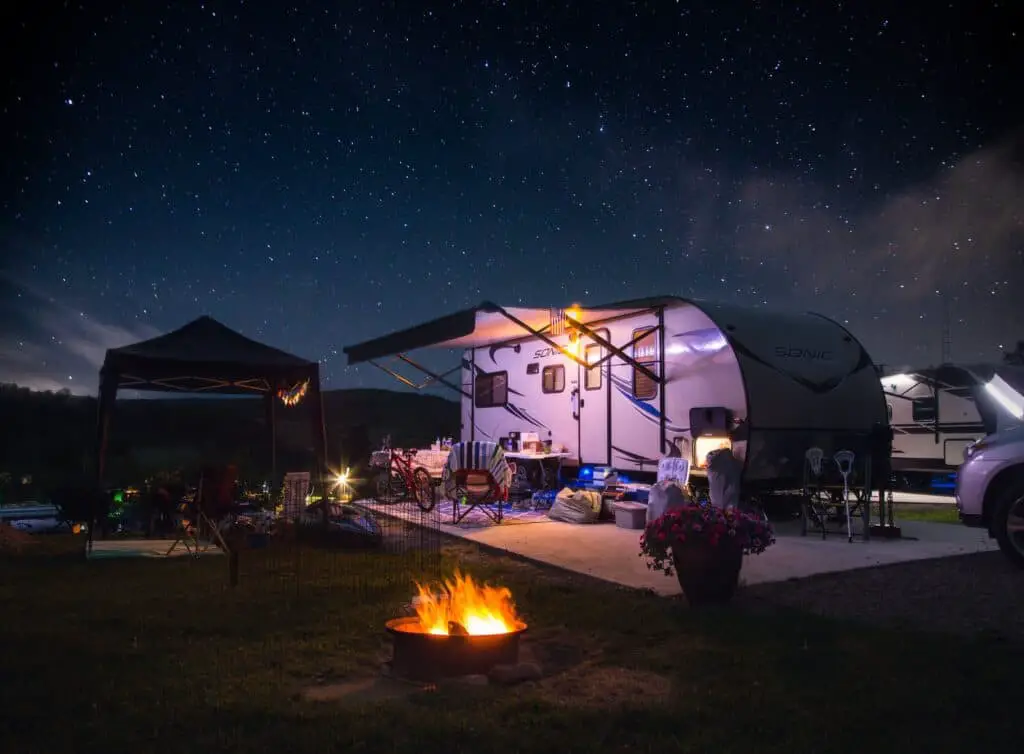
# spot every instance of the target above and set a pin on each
(708, 574)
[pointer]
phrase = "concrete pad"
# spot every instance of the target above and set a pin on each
(607, 552)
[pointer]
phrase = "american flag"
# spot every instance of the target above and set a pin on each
(557, 321)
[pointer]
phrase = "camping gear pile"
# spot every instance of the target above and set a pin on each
(576, 506)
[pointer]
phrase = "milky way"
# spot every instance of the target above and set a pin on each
(318, 177)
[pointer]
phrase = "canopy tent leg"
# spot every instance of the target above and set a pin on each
(105, 407)
(319, 426)
(270, 409)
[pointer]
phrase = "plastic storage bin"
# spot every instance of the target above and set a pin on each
(630, 515)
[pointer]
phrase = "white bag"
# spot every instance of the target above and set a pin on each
(665, 496)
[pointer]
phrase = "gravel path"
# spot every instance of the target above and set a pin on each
(979, 595)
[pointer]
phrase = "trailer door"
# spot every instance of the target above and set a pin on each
(594, 403)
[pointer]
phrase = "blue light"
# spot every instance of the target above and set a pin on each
(943, 482)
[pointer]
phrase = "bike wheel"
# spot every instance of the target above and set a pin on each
(426, 496)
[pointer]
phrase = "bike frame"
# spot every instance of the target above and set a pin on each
(402, 465)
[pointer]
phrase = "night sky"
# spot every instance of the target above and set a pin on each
(316, 174)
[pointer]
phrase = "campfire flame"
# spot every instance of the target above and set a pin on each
(465, 607)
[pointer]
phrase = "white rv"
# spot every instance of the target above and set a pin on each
(622, 384)
(935, 413)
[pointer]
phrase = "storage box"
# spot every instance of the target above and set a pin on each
(630, 515)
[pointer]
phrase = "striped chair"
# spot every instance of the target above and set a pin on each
(477, 474)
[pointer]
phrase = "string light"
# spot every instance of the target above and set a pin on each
(291, 396)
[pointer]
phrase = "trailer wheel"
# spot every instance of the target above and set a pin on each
(1008, 521)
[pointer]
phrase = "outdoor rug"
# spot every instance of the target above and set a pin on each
(477, 519)
(522, 513)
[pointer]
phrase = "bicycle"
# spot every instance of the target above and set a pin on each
(402, 482)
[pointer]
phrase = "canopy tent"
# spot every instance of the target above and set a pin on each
(205, 356)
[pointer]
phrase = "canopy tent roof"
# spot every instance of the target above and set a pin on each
(488, 323)
(204, 356)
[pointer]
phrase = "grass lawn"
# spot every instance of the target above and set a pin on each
(161, 656)
(938, 514)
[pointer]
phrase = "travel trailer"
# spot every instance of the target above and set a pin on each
(935, 413)
(624, 384)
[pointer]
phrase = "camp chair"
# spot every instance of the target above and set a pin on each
(215, 500)
(829, 484)
(477, 475)
(186, 530)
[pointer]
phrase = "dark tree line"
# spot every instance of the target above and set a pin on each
(50, 437)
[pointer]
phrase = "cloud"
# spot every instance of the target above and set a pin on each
(48, 345)
(962, 225)
(874, 260)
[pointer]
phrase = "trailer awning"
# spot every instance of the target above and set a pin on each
(490, 324)
(487, 324)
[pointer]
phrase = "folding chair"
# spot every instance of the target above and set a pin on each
(215, 499)
(186, 532)
(477, 475)
(828, 485)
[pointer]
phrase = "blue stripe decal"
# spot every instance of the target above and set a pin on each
(646, 410)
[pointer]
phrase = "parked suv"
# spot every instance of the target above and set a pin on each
(990, 489)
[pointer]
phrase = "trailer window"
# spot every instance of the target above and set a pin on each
(491, 390)
(645, 352)
(552, 379)
(592, 377)
(923, 409)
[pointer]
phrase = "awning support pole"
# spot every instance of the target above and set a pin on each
(613, 350)
(630, 361)
(440, 379)
(432, 377)
(540, 334)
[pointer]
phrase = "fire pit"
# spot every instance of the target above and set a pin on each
(466, 629)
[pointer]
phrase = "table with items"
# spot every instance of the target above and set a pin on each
(536, 471)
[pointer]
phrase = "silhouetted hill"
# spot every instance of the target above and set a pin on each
(52, 435)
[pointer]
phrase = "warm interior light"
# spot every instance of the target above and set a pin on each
(573, 313)
(704, 445)
(1006, 396)
(464, 605)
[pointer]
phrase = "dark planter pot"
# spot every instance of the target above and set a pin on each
(708, 575)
